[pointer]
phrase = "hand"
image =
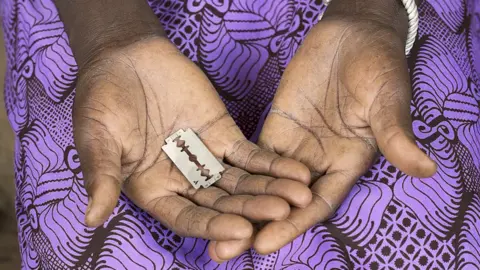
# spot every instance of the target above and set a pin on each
(343, 97)
(128, 101)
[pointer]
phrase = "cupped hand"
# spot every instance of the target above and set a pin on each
(128, 101)
(344, 96)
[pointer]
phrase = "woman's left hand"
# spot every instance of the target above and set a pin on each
(344, 96)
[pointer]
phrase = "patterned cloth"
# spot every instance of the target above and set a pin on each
(389, 220)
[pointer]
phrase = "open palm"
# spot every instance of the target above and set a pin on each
(129, 100)
(344, 96)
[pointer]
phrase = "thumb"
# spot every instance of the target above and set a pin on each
(221, 251)
(100, 159)
(391, 124)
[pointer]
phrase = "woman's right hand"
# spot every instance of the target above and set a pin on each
(128, 101)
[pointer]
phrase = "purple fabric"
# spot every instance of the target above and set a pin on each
(389, 220)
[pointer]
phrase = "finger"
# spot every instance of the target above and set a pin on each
(227, 141)
(257, 208)
(189, 220)
(103, 193)
(100, 162)
(238, 181)
(221, 251)
(391, 124)
(248, 156)
(329, 191)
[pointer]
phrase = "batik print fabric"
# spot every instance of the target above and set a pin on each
(389, 220)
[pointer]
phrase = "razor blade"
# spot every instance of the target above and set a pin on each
(192, 158)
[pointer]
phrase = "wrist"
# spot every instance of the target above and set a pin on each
(120, 36)
(388, 13)
(94, 26)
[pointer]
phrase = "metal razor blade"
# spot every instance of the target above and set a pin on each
(193, 158)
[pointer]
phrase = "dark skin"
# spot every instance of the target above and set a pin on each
(135, 89)
(343, 98)
(354, 104)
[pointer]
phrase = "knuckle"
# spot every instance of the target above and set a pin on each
(220, 202)
(268, 185)
(210, 226)
(274, 162)
(186, 220)
(241, 151)
(235, 147)
(294, 225)
(323, 202)
(241, 179)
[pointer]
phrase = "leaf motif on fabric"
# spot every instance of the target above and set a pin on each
(358, 217)
(435, 201)
(123, 235)
(440, 88)
(47, 45)
(451, 12)
(315, 249)
(468, 253)
(235, 47)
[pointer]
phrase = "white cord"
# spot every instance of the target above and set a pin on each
(412, 12)
(326, 2)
